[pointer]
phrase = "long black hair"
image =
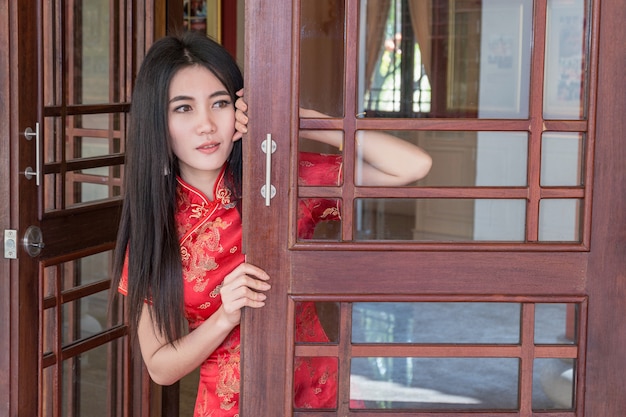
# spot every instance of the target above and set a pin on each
(147, 236)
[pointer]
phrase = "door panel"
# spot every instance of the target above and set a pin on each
(446, 246)
(69, 347)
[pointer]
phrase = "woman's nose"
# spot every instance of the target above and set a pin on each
(206, 122)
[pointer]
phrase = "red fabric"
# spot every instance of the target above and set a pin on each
(210, 239)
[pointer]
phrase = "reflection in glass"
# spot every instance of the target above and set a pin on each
(436, 322)
(85, 317)
(435, 383)
(47, 391)
(440, 219)
(319, 164)
(394, 74)
(462, 59)
(315, 382)
(322, 56)
(565, 60)
(317, 322)
(92, 53)
(561, 159)
(85, 379)
(553, 384)
(555, 323)
(468, 159)
(48, 330)
(88, 270)
(319, 218)
(560, 220)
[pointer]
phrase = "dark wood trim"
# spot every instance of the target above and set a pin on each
(7, 270)
(229, 26)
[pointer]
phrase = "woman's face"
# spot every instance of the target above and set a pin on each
(201, 123)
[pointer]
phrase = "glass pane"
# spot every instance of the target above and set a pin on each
(435, 383)
(82, 139)
(93, 268)
(49, 330)
(317, 322)
(93, 135)
(555, 323)
(86, 380)
(315, 382)
(560, 220)
(466, 159)
(47, 392)
(319, 163)
(561, 159)
(553, 384)
(440, 219)
(463, 59)
(85, 317)
(322, 56)
(319, 218)
(434, 322)
(566, 60)
(88, 62)
(49, 281)
(91, 60)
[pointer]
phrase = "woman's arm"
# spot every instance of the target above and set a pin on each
(166, 362)
(387, 160)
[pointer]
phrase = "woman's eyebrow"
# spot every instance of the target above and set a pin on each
(180, 98)
(218, 93)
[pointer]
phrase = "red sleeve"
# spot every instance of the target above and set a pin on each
(122, 288)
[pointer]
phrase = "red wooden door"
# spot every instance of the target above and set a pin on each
(494, 285)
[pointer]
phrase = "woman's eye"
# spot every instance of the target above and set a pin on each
(182, 108)
(220, 104)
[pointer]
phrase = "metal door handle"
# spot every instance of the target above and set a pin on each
(268, 144)
(29, 172)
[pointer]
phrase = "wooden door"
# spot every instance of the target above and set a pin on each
(519, 314)
(67, 73)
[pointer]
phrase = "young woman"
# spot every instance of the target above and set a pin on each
(178, 257)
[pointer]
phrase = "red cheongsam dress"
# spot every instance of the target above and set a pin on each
(210, 245)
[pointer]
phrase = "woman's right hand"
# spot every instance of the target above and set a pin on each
(243, 287)
(241, 114)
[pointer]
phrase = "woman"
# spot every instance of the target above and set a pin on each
(178, 257)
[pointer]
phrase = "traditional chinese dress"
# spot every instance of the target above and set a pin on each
(210, 245)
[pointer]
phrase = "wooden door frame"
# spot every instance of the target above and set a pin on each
(268, 117)
(20, 371)
(607, 260)
(5, 209)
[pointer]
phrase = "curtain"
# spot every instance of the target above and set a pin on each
(377, 12)
(421, 20)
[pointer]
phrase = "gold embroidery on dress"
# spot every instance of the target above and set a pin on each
(228, 379)
(331, 211)
(216, 291)
(223, 194)
(199, 261)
